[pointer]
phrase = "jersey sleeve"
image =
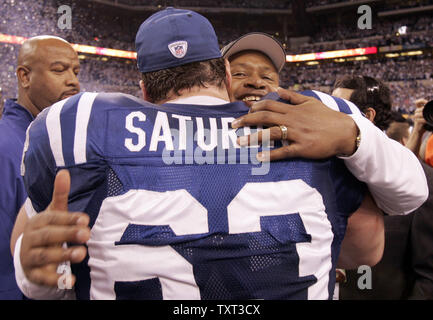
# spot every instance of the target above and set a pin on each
(38, 167)
(390, 170)
(55, 140)
(349, 191)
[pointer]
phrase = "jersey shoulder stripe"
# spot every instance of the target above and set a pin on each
(84, 110)
(334, 103)
(54, 129)
(337, 104)
(330, 101)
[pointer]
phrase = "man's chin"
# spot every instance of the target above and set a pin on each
(66, 96)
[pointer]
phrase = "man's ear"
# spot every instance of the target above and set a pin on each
(370, 113)
(23, 76)
(228, 81)
(144, 92)
(228, 74)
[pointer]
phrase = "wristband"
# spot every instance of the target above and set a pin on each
(32, 290)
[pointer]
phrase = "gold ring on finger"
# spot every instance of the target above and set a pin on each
(283, 132)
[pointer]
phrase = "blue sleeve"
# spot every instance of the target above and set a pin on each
(12, 196)
(349, 191)
(12, 191)
(331, 102)
(58, 139)
(39, 167)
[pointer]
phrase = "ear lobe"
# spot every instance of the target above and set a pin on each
(370, 113)
(23, 76)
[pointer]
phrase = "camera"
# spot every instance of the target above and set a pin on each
(428, 115)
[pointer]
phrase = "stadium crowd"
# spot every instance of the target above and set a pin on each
(96, 74)
(271, 4)
(391, 5)
(383, 33)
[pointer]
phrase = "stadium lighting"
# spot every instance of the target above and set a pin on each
(81, 48)
(412, 53)
(5, 38)
(392, 55)
(331, 54)
(402, 30)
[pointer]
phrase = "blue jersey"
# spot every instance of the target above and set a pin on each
(179, 211)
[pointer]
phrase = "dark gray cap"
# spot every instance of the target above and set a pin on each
(261, 42)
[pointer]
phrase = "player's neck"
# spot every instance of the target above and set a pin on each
(211, 91)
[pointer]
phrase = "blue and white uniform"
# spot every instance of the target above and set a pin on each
(179, 211)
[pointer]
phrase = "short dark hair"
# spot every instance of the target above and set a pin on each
(398, 130)
(160, 83)
(369, 93)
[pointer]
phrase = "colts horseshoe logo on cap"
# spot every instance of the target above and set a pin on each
(178, 48)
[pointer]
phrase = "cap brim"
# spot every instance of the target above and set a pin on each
(258, 42)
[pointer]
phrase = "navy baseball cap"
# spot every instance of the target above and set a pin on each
(174, 37)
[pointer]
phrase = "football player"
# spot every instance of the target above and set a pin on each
(256, 59)
(174, 211)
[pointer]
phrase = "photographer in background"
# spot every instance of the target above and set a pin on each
(406, 268)
(416, 137)
(421, 141)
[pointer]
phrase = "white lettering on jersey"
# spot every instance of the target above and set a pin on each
(182, 130)
(228, 134)
(141, 134)
(207, 139)
(212, 140)
(161, 123)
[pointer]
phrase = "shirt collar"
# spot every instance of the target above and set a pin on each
(199, 100)
(14, 110)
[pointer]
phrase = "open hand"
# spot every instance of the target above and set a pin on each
(44, 235)
(314, 131)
